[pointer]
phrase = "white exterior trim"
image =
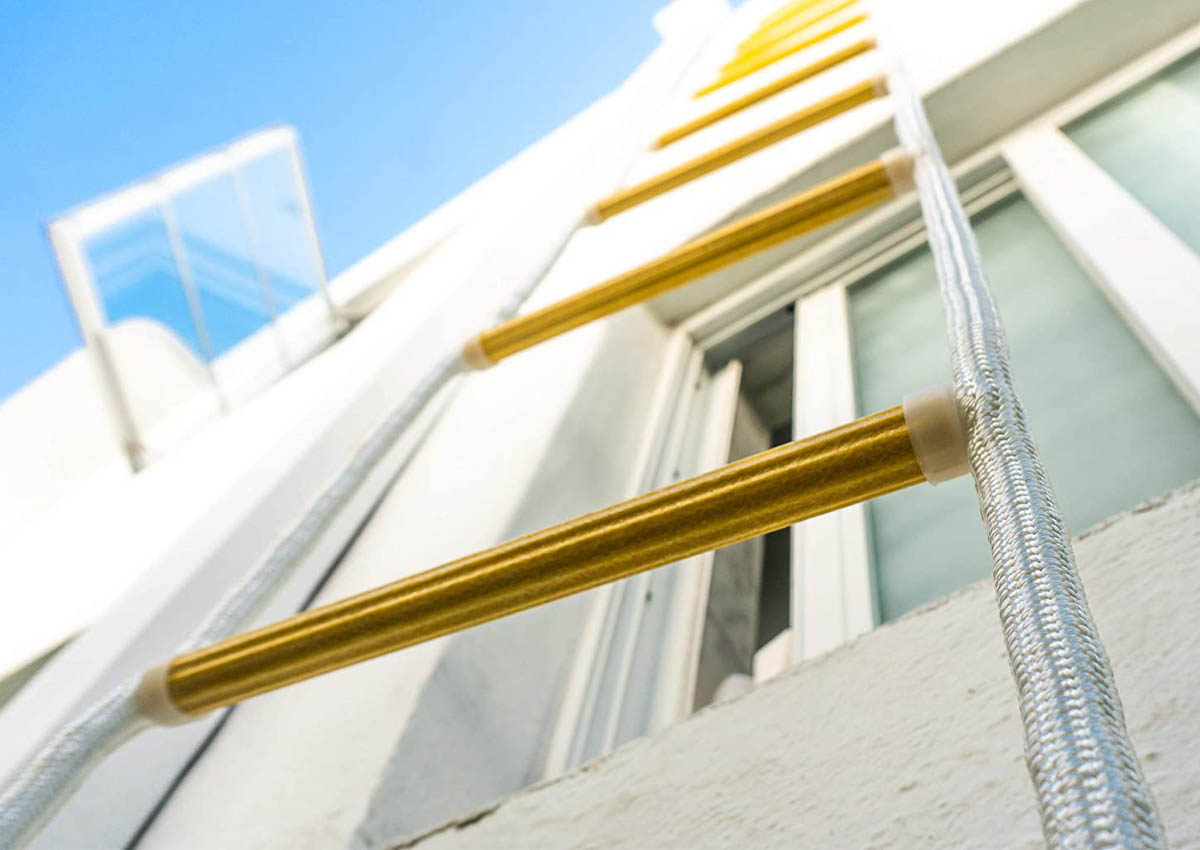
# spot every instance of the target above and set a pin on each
(691, 426)
(832, 596)
(689, 604)
(581, 701)
(1151, 277)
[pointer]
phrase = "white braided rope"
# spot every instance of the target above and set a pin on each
(36, 790)
(1090, 789)
(47, 780)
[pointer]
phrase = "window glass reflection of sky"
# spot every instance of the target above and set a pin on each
(136, 277)
(247, 259)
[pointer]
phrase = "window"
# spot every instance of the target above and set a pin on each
(1112, 429)
(1146, 138)
(1105, 360)
(196, 288)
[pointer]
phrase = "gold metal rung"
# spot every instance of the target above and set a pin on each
(787, 47)
(810, 116)
(763, 39)
(773, 88)
(858, 461)
(860, 188)
(784, 12)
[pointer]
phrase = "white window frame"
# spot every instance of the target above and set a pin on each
(266, 355)
(1148, 274)
(689, 432)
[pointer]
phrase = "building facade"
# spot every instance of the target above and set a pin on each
(856, 657)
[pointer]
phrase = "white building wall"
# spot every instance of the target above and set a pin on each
(907, 737)
(393, 746)
(190, 525)
(410, 739)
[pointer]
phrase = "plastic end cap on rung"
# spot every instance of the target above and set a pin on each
(879, 84)
(899, 166)
(474, 355)
(936, 430)
(153, 700)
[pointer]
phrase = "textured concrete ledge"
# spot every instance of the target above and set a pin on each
(907, 737)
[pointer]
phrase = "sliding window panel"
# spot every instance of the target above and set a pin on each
(1112, 429)
(832, 596)
(1146, 139)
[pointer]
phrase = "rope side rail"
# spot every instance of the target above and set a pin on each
(730, 152)
(36, 790)
(1089, 784)
(920, 440)
(859, 189)
(758, 95)
(764, 39)
(838, 23)
(31, 795)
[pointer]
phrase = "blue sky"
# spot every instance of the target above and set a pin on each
(399, 106)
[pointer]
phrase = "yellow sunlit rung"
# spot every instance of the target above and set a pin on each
(810, 116)
(860, 188)
(765, 38)
(761, 32)
(784, 12)
(841, 22)
(758, 95)
(906, 445)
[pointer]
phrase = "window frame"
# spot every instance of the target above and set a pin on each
(268, 352)
(1149, 276)
(689, 431)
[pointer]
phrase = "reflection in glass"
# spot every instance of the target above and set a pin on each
(137, 278)
(1146, 139)
(218, 257)
(280, 231)
(1111, 428)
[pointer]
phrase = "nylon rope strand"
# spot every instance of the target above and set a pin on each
(1089, 784)
(40, 787)
(36, 790)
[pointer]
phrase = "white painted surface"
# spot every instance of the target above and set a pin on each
(104, 212)
(583, 709)
(832, 599)
(464, 736)
(191, 525)
(1020, 58)
(168, 544)
(565, 419)
(1148, 273)
(253, 364)
(907, 737)
(683, 640)
(774, 657)
(55, 434)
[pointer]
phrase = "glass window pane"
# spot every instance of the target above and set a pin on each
(1146, 139)
(136, 276)
(217, 249)
(280, 230)
(1112, 429)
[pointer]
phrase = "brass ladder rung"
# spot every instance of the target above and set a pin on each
(730, 152)
(861, 460)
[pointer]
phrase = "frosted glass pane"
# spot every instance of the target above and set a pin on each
(1146, 139)
(1111, 428)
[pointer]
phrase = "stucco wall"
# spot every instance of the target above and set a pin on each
(907, 737)
(395, 743)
